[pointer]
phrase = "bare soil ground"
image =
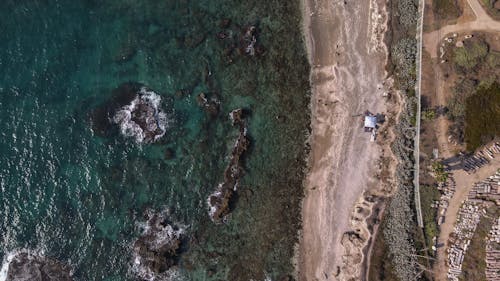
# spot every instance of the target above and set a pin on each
(348, 60)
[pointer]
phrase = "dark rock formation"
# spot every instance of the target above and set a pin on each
(158, 248)
(219, 201)
(27, 267)
(135, 110)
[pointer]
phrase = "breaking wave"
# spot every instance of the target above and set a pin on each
(143, 118)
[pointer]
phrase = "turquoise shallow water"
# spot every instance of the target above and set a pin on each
(77, 196)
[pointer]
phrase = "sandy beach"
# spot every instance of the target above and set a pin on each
(346, 51)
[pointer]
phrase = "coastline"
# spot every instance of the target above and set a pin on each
(346, 50)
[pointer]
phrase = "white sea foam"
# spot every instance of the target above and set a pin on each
(129, 128)
(5, 265)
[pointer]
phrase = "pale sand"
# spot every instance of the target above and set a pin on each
(346, 75)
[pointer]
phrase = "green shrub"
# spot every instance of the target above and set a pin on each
(482, 116)
(429, 114)
(439, 173)
(428, 195)
(471, 53)
(493, 59)
(462, 89)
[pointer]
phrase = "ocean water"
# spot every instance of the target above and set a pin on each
(78, 194)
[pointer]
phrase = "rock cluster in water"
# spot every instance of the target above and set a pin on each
(239, 40)
(28, 267)
(135, 110)
(158, 248)
(211, 106)
(219, 202)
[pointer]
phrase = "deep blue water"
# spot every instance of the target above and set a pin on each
(77, 196)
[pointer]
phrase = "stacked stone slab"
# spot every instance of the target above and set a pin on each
(489, 189)
(467, 220)
(447, 190)
(493, 253)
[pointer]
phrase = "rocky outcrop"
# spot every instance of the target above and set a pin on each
(219, 202)
(135, 110)
(27, 267)
(158, 248)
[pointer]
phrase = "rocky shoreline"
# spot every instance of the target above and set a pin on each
(25, 266)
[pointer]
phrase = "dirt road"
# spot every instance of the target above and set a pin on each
(348, 68)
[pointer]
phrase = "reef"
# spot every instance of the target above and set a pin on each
(25, 266)
(135, 110)
(219, 202)
(158, 248)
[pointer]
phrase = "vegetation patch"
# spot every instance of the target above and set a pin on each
(395, 259)
(493, 8)
(428, 196)
(380, 264)
(439, 172)
(446, 9)
(476, 66)
(471, 54)
(482, 116)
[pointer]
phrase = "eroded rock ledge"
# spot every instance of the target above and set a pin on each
(219, 202)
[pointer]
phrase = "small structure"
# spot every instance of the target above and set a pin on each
(370, 122)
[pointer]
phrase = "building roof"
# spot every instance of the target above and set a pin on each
(370, 121)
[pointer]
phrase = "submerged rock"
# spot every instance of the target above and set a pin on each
(158, 248)
(135, 110)
(28, 267)
(242, 39)
(249, 40)
(219, 202)
(211, 106)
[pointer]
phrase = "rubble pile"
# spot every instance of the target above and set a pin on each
(467, 220)
(447, 190)
(489, 189)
